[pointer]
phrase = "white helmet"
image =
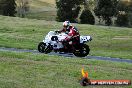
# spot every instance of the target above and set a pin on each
(66, 24)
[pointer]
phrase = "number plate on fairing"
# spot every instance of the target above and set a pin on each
(84, 39)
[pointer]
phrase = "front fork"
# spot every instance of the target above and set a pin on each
(49, 48)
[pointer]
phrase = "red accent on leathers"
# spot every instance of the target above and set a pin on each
(72, 33)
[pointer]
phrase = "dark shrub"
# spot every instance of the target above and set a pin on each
(87, 17)
(122, 20)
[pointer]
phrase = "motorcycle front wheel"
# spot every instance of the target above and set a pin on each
(82, 51)
(41, 47)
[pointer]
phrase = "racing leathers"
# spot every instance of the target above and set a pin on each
(73, 35)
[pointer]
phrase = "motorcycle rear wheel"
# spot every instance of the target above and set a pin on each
(83, 51)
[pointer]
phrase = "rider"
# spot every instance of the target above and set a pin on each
(72, 32)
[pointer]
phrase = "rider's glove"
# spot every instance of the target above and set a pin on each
(57, 31)
(64, 41)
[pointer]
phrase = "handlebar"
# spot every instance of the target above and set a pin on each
(57, 32)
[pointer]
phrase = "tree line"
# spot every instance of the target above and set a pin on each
(79, 11)
(87, 10)
(13, 7)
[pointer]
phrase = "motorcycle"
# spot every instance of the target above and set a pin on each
(53, 42)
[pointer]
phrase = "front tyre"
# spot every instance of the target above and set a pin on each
(82, 51)
(41, 47)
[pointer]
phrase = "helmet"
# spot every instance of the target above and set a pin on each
(66, 24)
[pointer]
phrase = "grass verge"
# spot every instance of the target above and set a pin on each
(26, 33)
(27, 70)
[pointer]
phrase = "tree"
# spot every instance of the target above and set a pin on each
(68, 9)
(1, 6)
(124, 16)
(106, 9)
(7, 7)
(89, 4)
(87, 17)
(122, 19)
(22, 7)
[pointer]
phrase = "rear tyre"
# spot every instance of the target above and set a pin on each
(82, 51)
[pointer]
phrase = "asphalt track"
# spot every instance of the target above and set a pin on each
(69, 55)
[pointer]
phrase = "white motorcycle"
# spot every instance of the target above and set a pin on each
(53, 42)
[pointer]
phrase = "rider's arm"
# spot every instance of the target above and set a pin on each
(70, 34)
(62, 30)
(59, 31)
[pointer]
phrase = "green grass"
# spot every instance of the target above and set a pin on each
(42, 9)
(24, 33)
(45, 15)
(27, 70)
(43, 2)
